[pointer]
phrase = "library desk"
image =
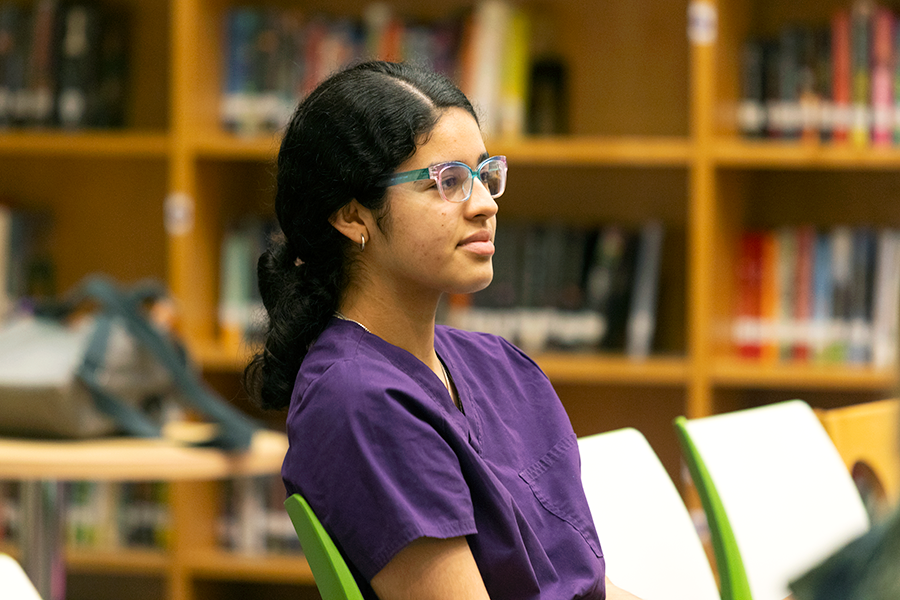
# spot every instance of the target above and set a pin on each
(43, 465)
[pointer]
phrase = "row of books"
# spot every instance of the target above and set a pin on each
(253, 520)
(810, 295)
(100, 514)
(62, 64)
(555, 286)
(563, 287)
(839, 83)
(26, 266)
(274, 57)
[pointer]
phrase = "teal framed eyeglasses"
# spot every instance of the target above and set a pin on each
(455, 180)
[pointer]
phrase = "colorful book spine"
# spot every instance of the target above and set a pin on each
(747, 333)
(882, 77)
(861, 36)
(803, 295)
(823, 296)
(841, 76)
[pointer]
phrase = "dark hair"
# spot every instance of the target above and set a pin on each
(350, 133)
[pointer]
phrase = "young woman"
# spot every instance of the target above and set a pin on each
(441, 462)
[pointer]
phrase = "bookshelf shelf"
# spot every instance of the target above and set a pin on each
(605, 369)
(560, 367)
(221, 145)
(87, 145)
(119, 560)
(270, 568)
(800, 155)
(632, 151)
(735, 373)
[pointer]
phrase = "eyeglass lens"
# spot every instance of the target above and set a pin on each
(456, 180)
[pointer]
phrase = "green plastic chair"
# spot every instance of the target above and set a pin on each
(776, 493)
(332, 575)
(733, 583)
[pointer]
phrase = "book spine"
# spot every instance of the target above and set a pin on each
(770, 298)
(787, 287)
(747, 333)
(841, 265)
(752, 111)
(789, 57)
(806, 236)
(841, 80)
(863, 261)
(882, 77)
(861, 35)
(79, 63)
(514, 74)
(823, 296)
(824, 83)
(886, 297)
(12, 56)
(642, 312)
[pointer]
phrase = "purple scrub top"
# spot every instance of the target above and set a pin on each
(384, 457)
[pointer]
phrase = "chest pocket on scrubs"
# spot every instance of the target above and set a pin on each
(551, 481)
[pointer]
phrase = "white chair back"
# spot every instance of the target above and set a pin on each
(14, 583)
(649, 541)
(787, 495)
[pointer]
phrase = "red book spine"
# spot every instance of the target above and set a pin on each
(840, 61)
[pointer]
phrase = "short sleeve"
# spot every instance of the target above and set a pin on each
(376, 462)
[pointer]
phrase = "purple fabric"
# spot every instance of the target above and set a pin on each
(384, 457)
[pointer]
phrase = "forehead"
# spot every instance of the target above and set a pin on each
(456, 136)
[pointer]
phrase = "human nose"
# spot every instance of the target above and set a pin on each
(481, 203)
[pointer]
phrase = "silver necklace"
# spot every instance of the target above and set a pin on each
(343, 317)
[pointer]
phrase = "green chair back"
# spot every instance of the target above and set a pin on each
(332, 575)
(733, 582)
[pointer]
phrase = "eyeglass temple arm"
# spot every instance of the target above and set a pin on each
(408, 176)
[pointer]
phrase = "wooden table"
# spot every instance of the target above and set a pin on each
(42, 466)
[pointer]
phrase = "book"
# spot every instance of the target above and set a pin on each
(824, 83)
(752, 110)
(789, 65)
(803, 294)
(12, 60)
(242, 28)
(886, 308)
(607, 253)
(841, 265)
(860, 57)
(620, 294)
(37, 100)
(79, 99)
(747, 332)
(115, 68)
(841, 76)
(823, 298)
(490, 27)
(882, 76)
(860, 305)
(641, 325)
(514, 74)
(770, 298)
(785, 318)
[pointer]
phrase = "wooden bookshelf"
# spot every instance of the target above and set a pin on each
(652, 135)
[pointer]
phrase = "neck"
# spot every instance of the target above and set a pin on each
(404, 321)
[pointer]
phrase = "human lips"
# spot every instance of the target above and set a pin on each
(479, 243)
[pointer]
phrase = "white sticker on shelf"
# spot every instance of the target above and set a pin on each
(179, 213)
(703, 22)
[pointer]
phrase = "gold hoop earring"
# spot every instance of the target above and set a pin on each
(362, 242)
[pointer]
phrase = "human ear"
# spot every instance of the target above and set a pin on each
(352, 220)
